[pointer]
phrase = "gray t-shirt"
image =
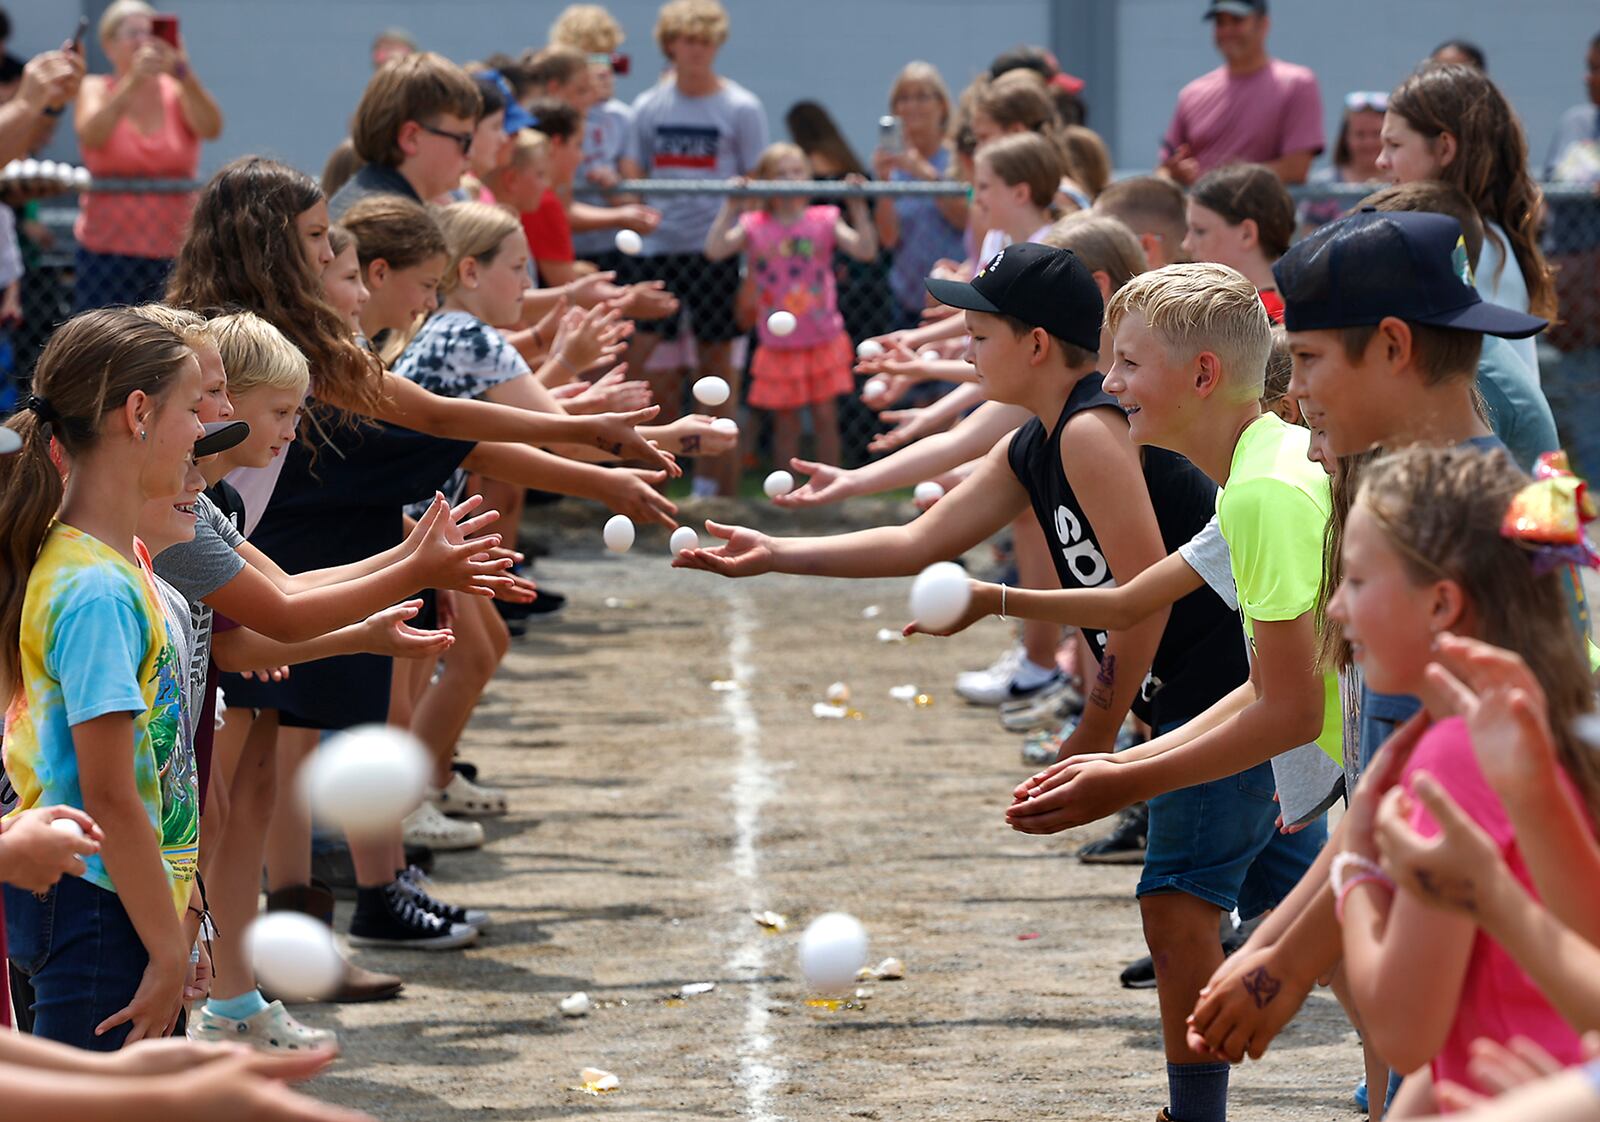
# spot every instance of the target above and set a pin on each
(1207, 554)
(676, 137)
(198, 568)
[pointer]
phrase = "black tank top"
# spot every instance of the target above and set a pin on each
(1202, 654)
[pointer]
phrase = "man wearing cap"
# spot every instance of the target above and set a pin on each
(1253, 108)
(1385, 327)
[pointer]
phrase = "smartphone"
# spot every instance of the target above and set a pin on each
(164, 26)
(890, 136)
(76, 42)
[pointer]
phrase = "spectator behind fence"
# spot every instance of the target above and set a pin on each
(1451, 122)
(392, 43)
(695, 124)
(1575, 151)
(1460, 52)
(145, 121)
(1253, 107)
(1355, 153)
(35, 93)
(414, 129)
(918, 230)
(863, 285)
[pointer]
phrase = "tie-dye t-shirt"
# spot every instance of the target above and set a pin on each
(95, 641)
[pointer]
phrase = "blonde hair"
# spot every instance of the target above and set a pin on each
(588, 27)
(919, 73)
(691, 19)
(475, 230)
(111, 19)
(1026, 157)
(257, 355)
(1203, 307)
(185, 324)
(766, 165)
(1104, 244)
(1441, 510)
(528, 145)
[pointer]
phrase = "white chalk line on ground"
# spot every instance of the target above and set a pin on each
(752, 786)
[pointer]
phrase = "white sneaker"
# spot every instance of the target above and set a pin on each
(982, 682)
(462, 798)
(427, 826)
(270, 1030)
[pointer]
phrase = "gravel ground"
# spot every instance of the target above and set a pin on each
(652, 814)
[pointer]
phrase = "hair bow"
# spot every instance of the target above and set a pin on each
(1547, 517)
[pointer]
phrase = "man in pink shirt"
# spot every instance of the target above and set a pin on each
(1252, 108)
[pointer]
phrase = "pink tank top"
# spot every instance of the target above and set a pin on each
(793, 268)
(141, 225)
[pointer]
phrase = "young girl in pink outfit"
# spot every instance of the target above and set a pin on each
(790, 246)
(1443, 541)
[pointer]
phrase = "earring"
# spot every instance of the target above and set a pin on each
(143, 434)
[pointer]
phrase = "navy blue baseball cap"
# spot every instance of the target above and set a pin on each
(1368, 266)
(1038, 284)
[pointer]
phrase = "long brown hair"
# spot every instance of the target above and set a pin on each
(1491, 161)
(87, 370)
(1333, 651)
(243, 251)
(1441, 510)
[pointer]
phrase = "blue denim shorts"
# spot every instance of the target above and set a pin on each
(80, 955)
(1218, 841)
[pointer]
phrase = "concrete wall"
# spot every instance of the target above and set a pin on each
(289, 72)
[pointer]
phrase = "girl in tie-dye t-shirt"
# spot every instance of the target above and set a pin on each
(93, 679)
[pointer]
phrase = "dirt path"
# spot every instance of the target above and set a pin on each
(651, 814)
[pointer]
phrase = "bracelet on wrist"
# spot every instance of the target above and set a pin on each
(564, 361)
(1349, 870)
(54, 110)
(1002, 600)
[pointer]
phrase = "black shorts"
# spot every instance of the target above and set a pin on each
(706, 288)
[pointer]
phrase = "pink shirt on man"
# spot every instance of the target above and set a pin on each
(1261, 116)
(1498, 1000)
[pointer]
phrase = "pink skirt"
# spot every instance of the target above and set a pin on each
(793, 379)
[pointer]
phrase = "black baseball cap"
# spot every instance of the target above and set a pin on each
(1370, 265)
(219, 437)
(1235, 8)
(1038, 284)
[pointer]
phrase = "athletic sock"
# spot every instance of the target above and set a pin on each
(240, 1008)
(371, 901)
(1029, 674)
(1197, 1092)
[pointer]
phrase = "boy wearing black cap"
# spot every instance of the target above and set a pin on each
(1385, 328)
(1034, 314)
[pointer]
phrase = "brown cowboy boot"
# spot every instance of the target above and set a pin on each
(358, 984)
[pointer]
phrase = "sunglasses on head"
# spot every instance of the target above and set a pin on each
(1374, 100)
(619, 62)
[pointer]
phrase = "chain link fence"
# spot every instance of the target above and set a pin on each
(143, 218)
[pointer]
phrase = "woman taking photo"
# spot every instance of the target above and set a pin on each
(143, 121)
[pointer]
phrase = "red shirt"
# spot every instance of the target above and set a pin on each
(549, 233)
(1273, 303)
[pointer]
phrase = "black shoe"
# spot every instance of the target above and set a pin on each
(332, 865)
(1139, 974)
(466, 770)
(547, 603)
(1126, 842)
(389, 917)
(414, 883)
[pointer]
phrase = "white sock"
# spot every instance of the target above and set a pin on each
(1030, 673)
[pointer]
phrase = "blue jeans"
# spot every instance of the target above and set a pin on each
(77, 949)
